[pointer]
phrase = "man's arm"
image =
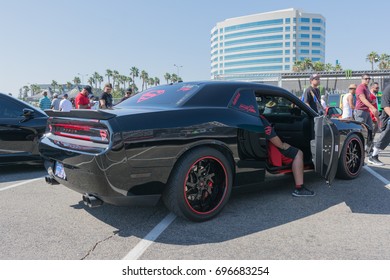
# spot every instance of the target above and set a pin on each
(350, 102)
(363, 99)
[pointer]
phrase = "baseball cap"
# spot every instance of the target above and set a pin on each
(108, 85)
(65, 95)
(129, 90)
(314, 76)
(88, 88)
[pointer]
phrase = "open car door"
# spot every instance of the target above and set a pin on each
(325, 148)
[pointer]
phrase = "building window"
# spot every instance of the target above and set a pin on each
(287, 20)
(304, 20)
(287, 60)
(304, 28)
(286, 67)
(287, 52)
(287, 36)
(317, 20)
(254, 24)
(304, 36)
(304, 44)
(287, 28)
(287, 44)
(304, 51)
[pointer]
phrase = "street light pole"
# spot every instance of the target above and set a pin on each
(177, 69)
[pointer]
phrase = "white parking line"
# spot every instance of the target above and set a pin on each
(148, 240)
(19, 184)
(378, 176)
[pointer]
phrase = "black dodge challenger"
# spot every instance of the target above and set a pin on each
(191, 143)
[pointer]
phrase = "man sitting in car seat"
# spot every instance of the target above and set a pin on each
(287, 154)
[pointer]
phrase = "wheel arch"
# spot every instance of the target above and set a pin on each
(218, 145)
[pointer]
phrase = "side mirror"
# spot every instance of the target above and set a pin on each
(28, 113)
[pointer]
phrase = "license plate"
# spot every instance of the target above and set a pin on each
(59, 171)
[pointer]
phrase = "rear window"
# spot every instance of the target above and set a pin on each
(162, 96)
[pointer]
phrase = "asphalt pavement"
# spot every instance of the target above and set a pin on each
(348, 220)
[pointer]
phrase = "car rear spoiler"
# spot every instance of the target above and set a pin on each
(82, 114)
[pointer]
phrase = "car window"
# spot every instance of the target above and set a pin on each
(9, 109)
(274, 105)
(162, 96)
(244, 100)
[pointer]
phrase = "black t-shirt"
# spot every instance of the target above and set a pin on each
(385, 102)
(308, 97)
(107, 98)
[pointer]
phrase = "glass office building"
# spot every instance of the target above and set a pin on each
(266, 43)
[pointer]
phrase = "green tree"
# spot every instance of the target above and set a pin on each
(54, 84)
(26, 89)
(151, 81)
(328, 67)
(167, 77)
(115, 75)
(174, 78)
(134, 73)
(91, 81)
(108, 74)
(156, 81)
(144, 77)
(307, 64)
(68, 85)
(76, 80)
(318, 66)
(35, 89)
(384, 61)
(373, 58)
(298, 66)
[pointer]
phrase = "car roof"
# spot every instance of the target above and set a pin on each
(13, 99)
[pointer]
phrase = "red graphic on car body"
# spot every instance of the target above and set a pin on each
(150, 94)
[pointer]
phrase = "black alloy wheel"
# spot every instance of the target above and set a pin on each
(351, 158)
(200, 185)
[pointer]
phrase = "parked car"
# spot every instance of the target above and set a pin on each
(21, 127)
(191, 143)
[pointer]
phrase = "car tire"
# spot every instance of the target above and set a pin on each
(351, 159)
(200, 184)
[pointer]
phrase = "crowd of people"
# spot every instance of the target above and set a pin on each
(84, 100)
(360, 104)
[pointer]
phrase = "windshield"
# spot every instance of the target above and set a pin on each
(162, 96)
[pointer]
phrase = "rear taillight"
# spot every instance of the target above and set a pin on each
(91, 132)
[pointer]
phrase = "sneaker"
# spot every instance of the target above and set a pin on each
(375, 161)
(303, 192)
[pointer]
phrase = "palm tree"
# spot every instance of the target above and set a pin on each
(318, 66)
(328, 67)
(167, 77)
(35, 89)
(54, 84)
(129, 80)
(109, 74)
(144, 77)
(68, 85)
(307, 64)
(26, 89)
(91, 81)
(134, 73)
(151, 81)
(115, 75)
(174, 78)
(76, 80)
(298, 66)
(384, 61)
(372, 57)
(156, 81)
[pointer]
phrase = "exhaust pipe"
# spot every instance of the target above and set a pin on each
(50, 180)
(91, 200)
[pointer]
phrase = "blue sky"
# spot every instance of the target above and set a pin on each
(45, 40)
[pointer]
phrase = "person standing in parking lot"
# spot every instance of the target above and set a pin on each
(363, 104)
(106, 97)
(347, 103)
(374, 89)
(65, 104)
(82, 100)
(384, 138)
(312, 94)
(44, 102)
(55, 103)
